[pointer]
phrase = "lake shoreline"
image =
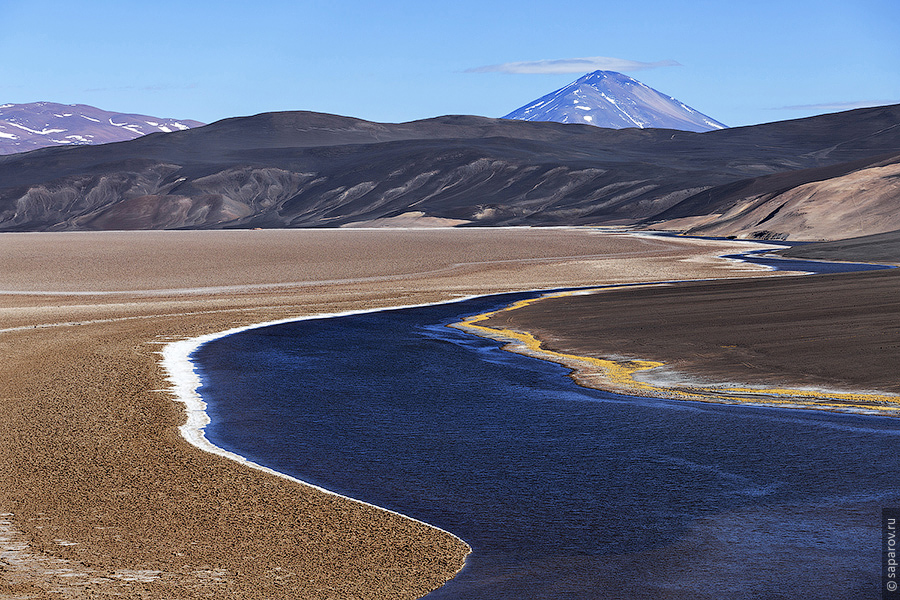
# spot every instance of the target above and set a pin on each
(101, 493)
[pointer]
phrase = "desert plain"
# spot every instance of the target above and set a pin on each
(101, 496)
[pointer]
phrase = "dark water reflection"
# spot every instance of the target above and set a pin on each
(563, 492)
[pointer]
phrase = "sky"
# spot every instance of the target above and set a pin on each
(741, 63)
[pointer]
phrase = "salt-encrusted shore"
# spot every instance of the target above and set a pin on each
(100, 494)
(176, 360)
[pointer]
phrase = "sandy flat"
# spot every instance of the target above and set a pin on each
(100, 495)
(826, 341)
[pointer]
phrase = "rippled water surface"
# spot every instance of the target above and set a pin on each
(563, 492)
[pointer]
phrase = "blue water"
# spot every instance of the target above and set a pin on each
(562, 491)
(796, 264)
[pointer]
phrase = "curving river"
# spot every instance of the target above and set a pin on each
(562, 491)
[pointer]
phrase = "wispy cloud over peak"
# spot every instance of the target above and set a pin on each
(573, 65)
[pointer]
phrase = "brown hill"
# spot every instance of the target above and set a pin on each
(846, 200)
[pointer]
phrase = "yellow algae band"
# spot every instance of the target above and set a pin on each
(618, 375)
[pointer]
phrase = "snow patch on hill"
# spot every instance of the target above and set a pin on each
(35, 125)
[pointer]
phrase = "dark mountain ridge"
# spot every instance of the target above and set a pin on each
(302, 169)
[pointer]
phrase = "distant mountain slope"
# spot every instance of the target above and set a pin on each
(301, 169)
(26, 127)
(845, 200)
(610, 99)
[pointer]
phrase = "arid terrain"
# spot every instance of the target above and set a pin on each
(101, 496)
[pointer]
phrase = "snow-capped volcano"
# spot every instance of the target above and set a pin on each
(610, 99)
(39, 124)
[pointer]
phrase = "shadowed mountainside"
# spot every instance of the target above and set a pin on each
(302, 169)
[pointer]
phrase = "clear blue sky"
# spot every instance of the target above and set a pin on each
(739, 62)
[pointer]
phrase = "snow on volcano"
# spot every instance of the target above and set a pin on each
(616, 101)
